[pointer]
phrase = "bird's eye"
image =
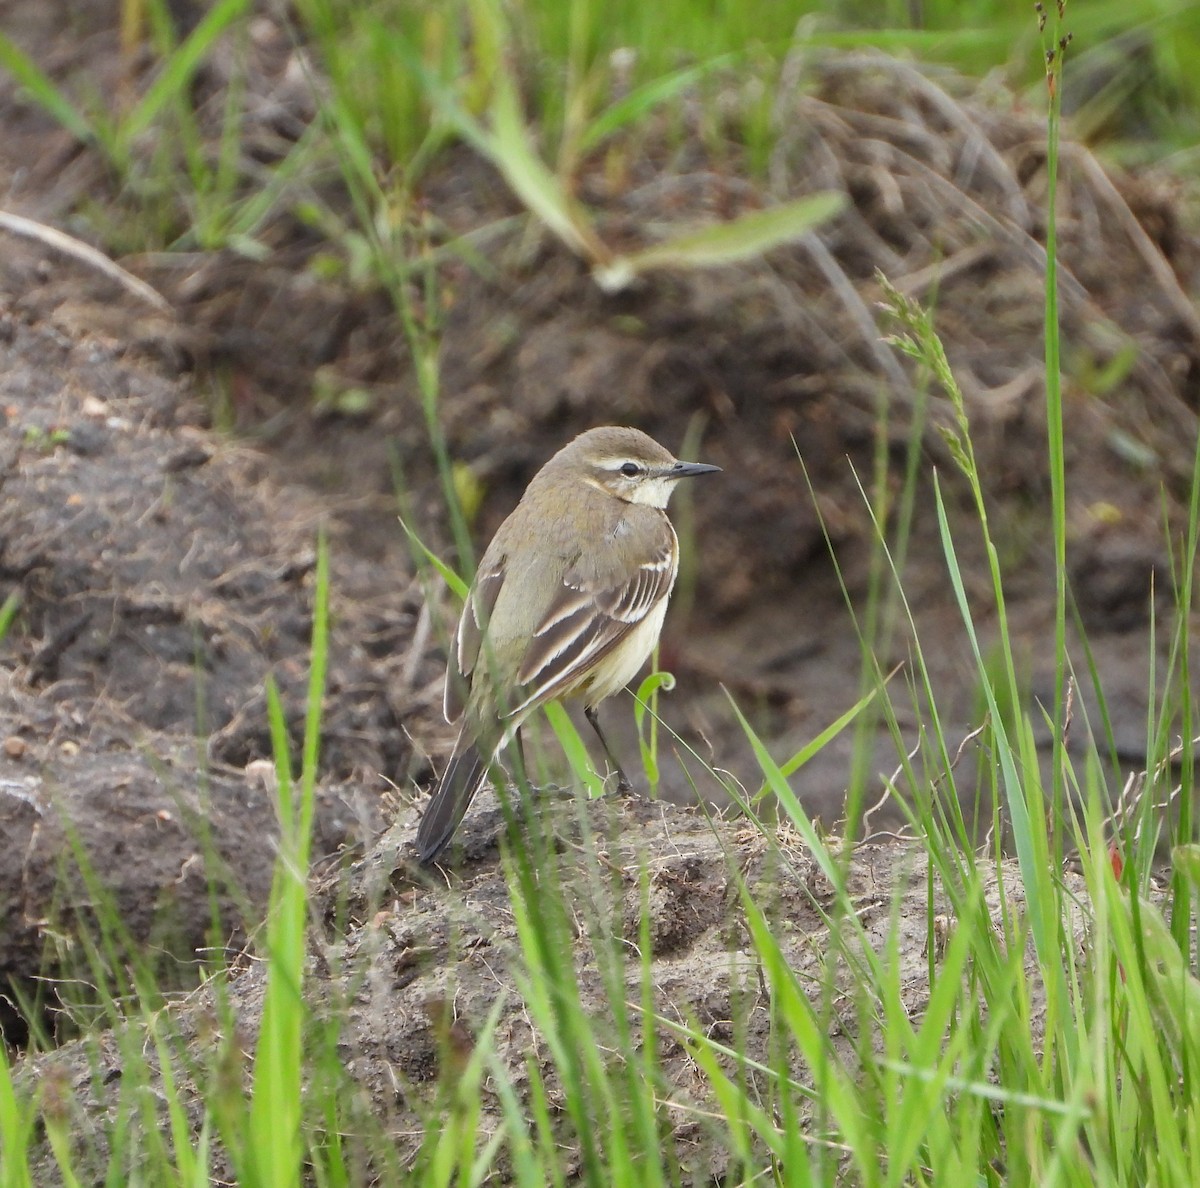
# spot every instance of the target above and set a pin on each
(631, 470)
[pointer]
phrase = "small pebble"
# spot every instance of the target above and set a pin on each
(86, 439)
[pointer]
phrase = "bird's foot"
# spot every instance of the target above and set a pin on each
(623, 788)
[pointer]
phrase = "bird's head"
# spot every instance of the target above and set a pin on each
(626, 464)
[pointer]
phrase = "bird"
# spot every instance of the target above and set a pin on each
(567, 603)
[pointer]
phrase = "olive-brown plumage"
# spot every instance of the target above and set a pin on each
(568, 602)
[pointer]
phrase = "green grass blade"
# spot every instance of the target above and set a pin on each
(645, 702)
(1027, 855)
(275, 1146)
(43, 91)
(826, 736)
(834, 1084)
(459, 588)
(642, 100)
(9, 610)
(574, 748)
(17, 1118)
(777, 782)
(744, 238)
(178, 70)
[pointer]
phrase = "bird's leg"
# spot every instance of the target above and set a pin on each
(521, 774)
(522, 771)
(624, 787)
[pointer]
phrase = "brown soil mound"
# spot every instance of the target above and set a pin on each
(421, 968)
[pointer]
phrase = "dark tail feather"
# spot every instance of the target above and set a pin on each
(464, 775)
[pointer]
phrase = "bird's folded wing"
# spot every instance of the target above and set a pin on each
(468, 637)
(587, 619)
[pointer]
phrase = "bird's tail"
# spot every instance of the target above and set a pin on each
(466, 771)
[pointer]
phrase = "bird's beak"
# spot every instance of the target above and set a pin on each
(690, 469)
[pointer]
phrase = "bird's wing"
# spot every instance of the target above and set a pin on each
(590, 615)
(468, 636)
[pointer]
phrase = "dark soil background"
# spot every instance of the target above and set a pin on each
(164, 478)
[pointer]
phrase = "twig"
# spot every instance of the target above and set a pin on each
(86, 254)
